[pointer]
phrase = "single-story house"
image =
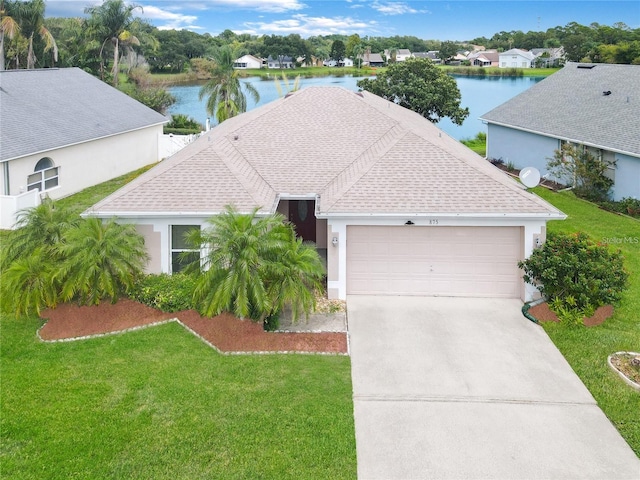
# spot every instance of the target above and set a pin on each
(396, 205)
(486, 58)
(248, 61)
(594, 105)
(372, 60)
(517, 58)
(548, 57)
(431, 55)
(401, 54)
(63, 130)
(345, 62)
(282, 61)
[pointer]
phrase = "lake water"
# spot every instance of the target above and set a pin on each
(479, 94)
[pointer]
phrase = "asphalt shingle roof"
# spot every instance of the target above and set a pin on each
(51, 108)
(570, 105)
(358, 152)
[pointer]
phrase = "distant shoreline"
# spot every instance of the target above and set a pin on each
(171, 79)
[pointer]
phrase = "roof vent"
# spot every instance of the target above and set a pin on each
(587, 67)
(607, 92)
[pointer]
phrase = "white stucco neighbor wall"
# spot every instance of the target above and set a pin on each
(87, 164)
(627, 177)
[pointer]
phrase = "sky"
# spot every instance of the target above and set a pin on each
(456, 20)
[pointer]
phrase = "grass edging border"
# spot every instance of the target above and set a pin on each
(177, 320)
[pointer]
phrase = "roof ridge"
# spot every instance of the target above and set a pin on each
(351, 174)
(254, 183)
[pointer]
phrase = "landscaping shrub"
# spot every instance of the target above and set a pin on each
(182, 122)
(579, 272)
(628, 206)
(168, 293)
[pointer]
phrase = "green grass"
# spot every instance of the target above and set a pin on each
(159, 403)
(586, 349)
(478, 143)
(82, 200)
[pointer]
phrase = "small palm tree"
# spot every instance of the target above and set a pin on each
(288, 87)
(295, 276)
(255, 266)
(225, 98)
(28, 285)
(100, 260)
(39, 227)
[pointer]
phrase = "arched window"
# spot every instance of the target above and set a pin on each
(45, 176)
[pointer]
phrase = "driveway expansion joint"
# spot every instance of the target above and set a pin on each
(463, 399)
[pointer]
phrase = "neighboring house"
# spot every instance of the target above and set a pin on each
(431, 55)
(595, 105)
(487, 58)
(396, 205)
(280, 62)
(402, 54)
(248, 61)
(548, 57)
(63, 130)
(345, 62)
(516, 58)
(372, 60)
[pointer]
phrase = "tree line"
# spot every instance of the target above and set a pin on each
(111, 36)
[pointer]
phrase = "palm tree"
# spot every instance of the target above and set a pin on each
(225, 98)
(288, 88)
(111, 22)
(31, 19)
(8, 26)
(39, 227)
(28, 285)
(295, 277)
(100, 260)
(255, 266)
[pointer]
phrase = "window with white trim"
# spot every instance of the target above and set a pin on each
(182, 254)
(45, 176)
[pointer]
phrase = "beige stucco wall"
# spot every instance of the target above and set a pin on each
(153, 244)
(87, 164)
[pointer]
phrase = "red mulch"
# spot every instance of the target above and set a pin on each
(226, 332)
(543, 313)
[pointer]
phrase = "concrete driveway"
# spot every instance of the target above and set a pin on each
(455, 388)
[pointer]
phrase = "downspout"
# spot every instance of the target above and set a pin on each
(5, 175)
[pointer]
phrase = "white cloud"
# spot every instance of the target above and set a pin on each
(272, 6)
(308, 26)
(168, 20)
(395, 8)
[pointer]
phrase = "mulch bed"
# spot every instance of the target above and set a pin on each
(543, 313)
(225, 332)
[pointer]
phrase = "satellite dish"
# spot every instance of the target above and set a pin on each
(530, 177)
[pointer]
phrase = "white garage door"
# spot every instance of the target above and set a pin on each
(447, 261)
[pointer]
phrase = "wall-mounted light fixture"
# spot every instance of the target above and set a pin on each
(334, 241)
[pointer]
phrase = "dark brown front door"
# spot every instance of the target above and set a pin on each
(302, 215)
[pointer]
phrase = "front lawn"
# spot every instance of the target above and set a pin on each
(159, 403)
(586, 349)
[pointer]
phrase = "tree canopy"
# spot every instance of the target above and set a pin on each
(417, 84)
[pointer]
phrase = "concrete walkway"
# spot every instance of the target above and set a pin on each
(454, 388)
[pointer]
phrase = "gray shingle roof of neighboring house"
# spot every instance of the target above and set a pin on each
(571, 105)
(360, 153)
(41, 110)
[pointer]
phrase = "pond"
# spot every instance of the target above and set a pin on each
(479, 94)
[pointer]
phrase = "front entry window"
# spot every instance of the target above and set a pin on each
(179, 245)
(45, 176)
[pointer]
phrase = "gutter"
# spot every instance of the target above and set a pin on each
(83, 141)
(566, 139)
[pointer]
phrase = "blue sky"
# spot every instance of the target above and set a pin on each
(427, 19)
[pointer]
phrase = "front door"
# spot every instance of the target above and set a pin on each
(302, 215)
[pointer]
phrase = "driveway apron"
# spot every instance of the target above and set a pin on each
(458, 388)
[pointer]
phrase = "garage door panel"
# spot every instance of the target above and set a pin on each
(451, 261)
